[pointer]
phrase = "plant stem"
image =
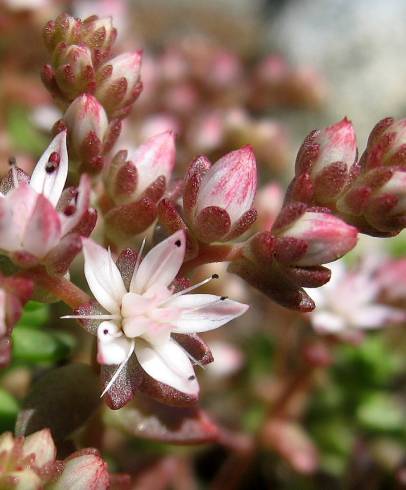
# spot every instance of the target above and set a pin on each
(60, 287)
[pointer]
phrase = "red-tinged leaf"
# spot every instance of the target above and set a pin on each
(289, 250)
(274, 283)
(212, 224)
(149, 419)
(62, 399)
(243, 224)
(330, 181)
(290, 213)
(309, 277)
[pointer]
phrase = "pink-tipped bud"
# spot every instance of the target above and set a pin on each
(222, 205)
(119, 82)
(327, 156)
(316, 238)
(386, 144)
(147, 169)
(64, 29)
(74, 72)
(386, 208)
(87, 125)
(99, 34)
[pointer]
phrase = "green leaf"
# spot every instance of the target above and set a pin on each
(31, 345)
(35, 314)
(8, 410)
(381, 413)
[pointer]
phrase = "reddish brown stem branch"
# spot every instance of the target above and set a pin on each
(60, 287)
(212, 253)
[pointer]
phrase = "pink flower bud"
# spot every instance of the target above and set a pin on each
(385, 209)
(386, 144)
(74, 71)
(327, 156)
(119, 82)
(87, 125)
(318, 238)
(99, 34)
(222, 205)
(63, 29)
(149, 167)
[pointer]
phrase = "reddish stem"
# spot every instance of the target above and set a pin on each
(60, 287)
(212, 253)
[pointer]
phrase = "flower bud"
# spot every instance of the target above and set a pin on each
(218, 200)
(64, 29)
(386, 145)
(99, 34)
(327, 156)
(149, 167)
(315, 238)
(87, 126)
(74, 73)
(119, 83)
(386, 208)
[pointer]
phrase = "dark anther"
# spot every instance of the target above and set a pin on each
(178, 243)
(69, 210)
(105, 331)
(191, 378)
(215, 276)
(53, 162)
(12, 161)
(223, 298)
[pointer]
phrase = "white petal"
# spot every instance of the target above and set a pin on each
(325, 322)
(21, 203)
(375, 316)
(114, 352)
(168, 364)
(82, 204)
(161, 264)
(10, 238)
(103, 276)
(52, 184)
(203, 312)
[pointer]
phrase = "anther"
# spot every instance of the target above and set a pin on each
(215, 276)
(53, 162)
(223, 298)
(12, 161)
(191, 378)
(69, 210)
(178, 243)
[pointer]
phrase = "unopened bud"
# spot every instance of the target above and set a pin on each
(219, 200)
(99, 34)
(327, 156)
(147, 168)
(87, 126)
(74, 71)
(386, 145)
(119, 83)
(317, 238)
(64, 29)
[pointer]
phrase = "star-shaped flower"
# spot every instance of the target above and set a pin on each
(143, 315)
(39, 221)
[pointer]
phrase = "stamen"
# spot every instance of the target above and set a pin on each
(191, 288)
(53, 162)
(120, 368)
(91, 317)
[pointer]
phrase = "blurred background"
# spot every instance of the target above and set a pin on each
(222, 74)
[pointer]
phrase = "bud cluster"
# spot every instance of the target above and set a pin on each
(96, 92)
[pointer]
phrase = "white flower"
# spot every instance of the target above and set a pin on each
(348, 302)
(142, 319)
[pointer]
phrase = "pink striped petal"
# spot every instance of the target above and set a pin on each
(43, 230)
